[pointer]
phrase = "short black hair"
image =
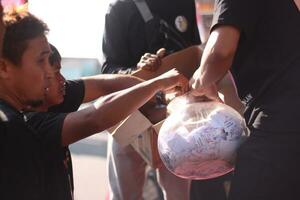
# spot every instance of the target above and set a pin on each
(20, 26)
(55, 56)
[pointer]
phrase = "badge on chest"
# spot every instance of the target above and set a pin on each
(181, 23)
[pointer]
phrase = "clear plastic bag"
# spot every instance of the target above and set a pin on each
(199, 139)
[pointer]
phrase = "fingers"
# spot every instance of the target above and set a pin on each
(149, 62)
(209, 92)
(180, 84)
(161, 52)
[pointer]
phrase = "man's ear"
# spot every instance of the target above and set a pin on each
(4, 68)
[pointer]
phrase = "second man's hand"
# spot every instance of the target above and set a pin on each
(171, 80)
(151, 62)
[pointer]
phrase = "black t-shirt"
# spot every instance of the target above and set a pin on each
(126, 34)
(269, 44)
(59, 176)
(23, 172)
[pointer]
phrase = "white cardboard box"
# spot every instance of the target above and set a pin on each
(139, 132)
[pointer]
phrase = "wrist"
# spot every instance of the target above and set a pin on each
(156, 84)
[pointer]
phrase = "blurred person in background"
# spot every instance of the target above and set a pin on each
(131, 35)
(133, 28)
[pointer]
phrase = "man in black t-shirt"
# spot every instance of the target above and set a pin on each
(25, 153)
(65, 97)
(127, 36)
(259, 40)
(23, 65)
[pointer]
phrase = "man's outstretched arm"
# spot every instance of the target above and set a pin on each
(111, 109)
(217, 56)
(100, 85)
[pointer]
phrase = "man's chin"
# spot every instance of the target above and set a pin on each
(34, 104)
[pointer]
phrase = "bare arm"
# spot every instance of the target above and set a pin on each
(186, 61)
(227, 88)
(217, 56)
(111, 109)
(100, 85)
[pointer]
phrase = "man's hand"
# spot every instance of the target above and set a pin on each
(151, 62)
(172, 80)
(197, 90)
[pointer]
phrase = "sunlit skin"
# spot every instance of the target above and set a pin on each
(29, 89)
(56, 90)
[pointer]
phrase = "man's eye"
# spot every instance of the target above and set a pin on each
(42, 60)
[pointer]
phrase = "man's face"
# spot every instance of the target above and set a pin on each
(31, 78)
(56, 92)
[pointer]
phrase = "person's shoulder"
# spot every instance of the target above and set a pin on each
(121, 2)
(3, 116)
(7, 113)
(3, 121)
(120, 5)
(41, 121)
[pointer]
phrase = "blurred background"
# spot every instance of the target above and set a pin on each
(76, 29)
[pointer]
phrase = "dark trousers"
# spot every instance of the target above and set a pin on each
(267, 168)
(212, 189)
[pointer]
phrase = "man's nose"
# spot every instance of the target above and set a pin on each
(48, 71)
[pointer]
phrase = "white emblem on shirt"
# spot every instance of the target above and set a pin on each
(181, 23)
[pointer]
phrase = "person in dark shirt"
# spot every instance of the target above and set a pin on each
(24, 71)
(259, 41)
(127, 37)
(65, 97)
(24, 82)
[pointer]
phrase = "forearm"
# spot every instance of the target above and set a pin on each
(213, 68)
(100, 85)
(227, 88)
(217, 57)
(107, 111)
(186, 61)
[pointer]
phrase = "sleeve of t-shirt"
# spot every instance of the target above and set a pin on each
(48, 126)
(242, 14)
(115, 43)
(73, 97)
